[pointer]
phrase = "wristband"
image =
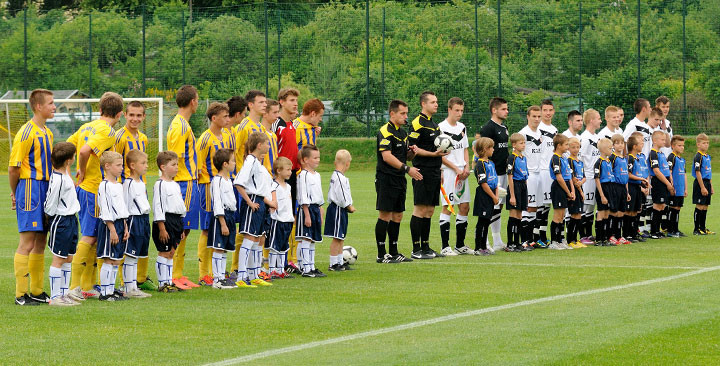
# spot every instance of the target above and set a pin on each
(406, 168)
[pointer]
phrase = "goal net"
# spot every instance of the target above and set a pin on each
(70, 114)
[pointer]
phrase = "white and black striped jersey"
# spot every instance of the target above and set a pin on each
(549, 132)
(167, 198)
(569, 134)
(640, 126)
(589, 152)
(535, 145)
(283, 195)
(223, 195)
(112, 202)
(458, 135)
(136, 198)
(606, 133)
(309, 188)
(61, 196)
(254, 177)
(339, 190)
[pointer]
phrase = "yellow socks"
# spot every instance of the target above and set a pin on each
(204, 260)
(22, 274)
(266, 254)
(98, 264)
(78, 264)
(178, 260)
(236, 254)
(292, 252)
(142, 266)
(120, 272)
(88, 279)
(36, 268)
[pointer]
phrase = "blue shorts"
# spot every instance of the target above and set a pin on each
(206, 214)
(238, 199)
(311, 233)
(89, 212)
(191, 195)
(216, 240)
(336, 222)
(104, 248)
(251, 222)
(278, 235)
(139, 240)
(63, 235)
(30, 197)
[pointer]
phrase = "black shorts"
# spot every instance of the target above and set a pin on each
(391, 191)
(174, 227)
(620, 198)
(427, 191)
(637, 198)
(558, 196)
(676, 201)
(576, 206)
(521, 196)
(483, 205)
(659, 191)
(697, 197)
(609, 191)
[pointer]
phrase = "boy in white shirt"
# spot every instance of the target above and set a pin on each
(61, 207)
(642, 112)
(113, 230)
(168, 212)
(282, 219)
(589, 153)
(138, 206)
(309, 217)
(341, 203)
(535, 145)
(455, 172)
(575, 124)
(221, 229)
(549, 131)
(613, 120)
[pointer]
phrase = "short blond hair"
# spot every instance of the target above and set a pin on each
(109, 157)
(702, 137)
(342, 156)
(573, 141)
(134, 156)
(657, 134)
(589, 114)
(281, 163)
(611, 109)
(38, 96)
(603, 142)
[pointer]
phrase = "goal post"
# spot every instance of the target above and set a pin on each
(70, 114)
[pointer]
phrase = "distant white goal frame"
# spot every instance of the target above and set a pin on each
(160, 102)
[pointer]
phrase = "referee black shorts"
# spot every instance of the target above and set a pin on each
(391, 191)
(427, 191)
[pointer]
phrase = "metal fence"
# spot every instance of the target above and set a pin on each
(359, 55)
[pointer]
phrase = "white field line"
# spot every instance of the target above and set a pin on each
(466, 314)
(479, 263)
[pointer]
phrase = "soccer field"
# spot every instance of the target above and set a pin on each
(646, 303)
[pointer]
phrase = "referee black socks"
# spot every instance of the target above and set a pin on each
(381, 229)
(415, 232)
(393, 231)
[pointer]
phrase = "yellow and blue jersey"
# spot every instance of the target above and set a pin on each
(180, 139)
(100, 137)
(304, 133)
(209, 144)
(620, 168)
(124, 142)
(701, 163)
(272, 155)
(677, 168)
(242, 131)
(31, 152)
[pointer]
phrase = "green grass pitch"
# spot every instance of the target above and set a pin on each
(672, 321)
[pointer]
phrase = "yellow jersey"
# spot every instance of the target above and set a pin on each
(304, 133)
(180, 139)
(209, 144)
(124, 142)
(31, 150)
(272, 155)
(100, 137)
(242, 131)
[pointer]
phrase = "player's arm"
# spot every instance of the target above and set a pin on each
(431, 154)
(655, 166)
(450, 165)
(557, 170)
(391, 160)
(511, 183)
(106, 212)
(697, 167)
(20, 150)
(598, 170)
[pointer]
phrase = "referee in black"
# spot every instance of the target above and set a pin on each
(426, 192)
(496, 130)
(390, 182)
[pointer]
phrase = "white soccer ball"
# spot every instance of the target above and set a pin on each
(502, 192)
(350, 255)
(444, 143)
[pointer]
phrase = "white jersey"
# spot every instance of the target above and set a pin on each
(458, 135)
(339, 190)
(309, 188)
(284, 211)
(669, 131)
(254, 177)
(569, 134)
(606, 133)
(111, 201)
(223, 195)
(637, 125)
(61, 196)
(136, 198)
(534, 148)
(549, 132)
(167, 198)
(589, 152)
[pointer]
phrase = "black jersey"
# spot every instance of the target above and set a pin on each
(423, 132)
(393, 139)
(499, 134)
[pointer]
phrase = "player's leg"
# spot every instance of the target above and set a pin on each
(449, 177)
(495, 222)
(461, 223)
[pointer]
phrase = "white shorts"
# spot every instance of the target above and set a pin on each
(503, 183)
(457, 191)
(534, 188)
(589, 191)
(545, 184)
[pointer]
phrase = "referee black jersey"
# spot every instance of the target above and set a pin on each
(423, 132)
(499, 134)
(394, 139)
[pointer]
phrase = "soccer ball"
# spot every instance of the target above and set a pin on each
(349, 255)
(444, 143)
